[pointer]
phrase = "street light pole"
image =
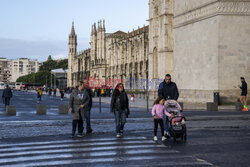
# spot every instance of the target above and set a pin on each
(147, 93)
(54, 81)
(50, 79)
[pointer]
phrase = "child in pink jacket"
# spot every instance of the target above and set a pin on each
(158, 112)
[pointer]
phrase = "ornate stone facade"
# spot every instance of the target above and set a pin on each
(204, 44)
(161, 41)
(113, 57)
(212, 48)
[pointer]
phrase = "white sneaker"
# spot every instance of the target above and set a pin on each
(155, 138)
(163, 138)
(165, 132)
(79, 135)
(118, 135)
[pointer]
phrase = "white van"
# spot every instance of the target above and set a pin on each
(11, 85)
(2, 85)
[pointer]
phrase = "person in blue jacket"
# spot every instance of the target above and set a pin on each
(7, 95)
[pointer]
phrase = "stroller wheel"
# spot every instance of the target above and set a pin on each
(185, 137)
(174, 138)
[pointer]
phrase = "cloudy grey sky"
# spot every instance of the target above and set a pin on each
(38, 28)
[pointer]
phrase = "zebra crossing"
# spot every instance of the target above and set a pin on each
(126, 151)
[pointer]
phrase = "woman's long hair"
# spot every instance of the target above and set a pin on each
(116, 91)
(157, 101)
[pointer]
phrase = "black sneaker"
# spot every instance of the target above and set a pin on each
(89, 131)
(72, 135)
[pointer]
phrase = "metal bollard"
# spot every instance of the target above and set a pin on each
(11, 110)
(63, 109)
(100, 104)
(212, 106)
(41, 109)
(147, 103)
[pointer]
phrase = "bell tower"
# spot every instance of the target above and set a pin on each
(72, 53)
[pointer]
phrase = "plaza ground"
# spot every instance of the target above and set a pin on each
(215, 138)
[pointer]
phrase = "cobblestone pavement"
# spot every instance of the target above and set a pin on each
(214, 138)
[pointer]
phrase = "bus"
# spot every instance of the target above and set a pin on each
(30, 86)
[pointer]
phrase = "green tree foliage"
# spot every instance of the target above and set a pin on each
(51, 64)
(41, 77)
(44, 76)
(62, 64)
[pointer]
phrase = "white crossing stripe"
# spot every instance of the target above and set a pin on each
(173, 162)
(70, 140)
(93, 150)
(104, 148)
(71, 145)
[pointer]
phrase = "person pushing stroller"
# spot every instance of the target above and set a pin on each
(168, 90)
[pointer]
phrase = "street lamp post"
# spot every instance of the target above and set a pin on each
(54, 80)
(50, 79)
(147, 93)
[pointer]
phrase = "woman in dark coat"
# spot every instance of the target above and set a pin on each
(120, 108)
(78, 103)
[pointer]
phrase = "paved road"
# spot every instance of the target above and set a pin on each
(214, 138)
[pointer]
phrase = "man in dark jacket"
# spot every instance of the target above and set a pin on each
(7, 95)
(168, 90)
(87, 112)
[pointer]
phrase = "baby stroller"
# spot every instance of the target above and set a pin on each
(177, 128)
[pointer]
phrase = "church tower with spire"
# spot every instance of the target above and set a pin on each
(93, 44)
(72, 53)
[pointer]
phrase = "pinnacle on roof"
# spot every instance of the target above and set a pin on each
(72, 30)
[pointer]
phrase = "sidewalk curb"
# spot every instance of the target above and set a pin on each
(222, 108)
(133, 106)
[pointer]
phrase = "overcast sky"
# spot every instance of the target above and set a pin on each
(38, 28)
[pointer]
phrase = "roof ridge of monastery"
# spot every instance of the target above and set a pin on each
(119, 33)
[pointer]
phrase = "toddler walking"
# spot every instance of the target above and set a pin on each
(158, 111)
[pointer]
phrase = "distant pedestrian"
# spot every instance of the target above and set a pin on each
(158, 112)
(93, 92)
(78, 103)
(243, 96)
(54, 93)
(7, 95)
(120, 108)
(50, 91)
(39, 94)
(111, 91)
(168, 90)
(62, 94)
(132, 97)
(102, 92)
(98, 92)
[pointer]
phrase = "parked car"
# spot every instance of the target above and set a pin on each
(2, 85)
